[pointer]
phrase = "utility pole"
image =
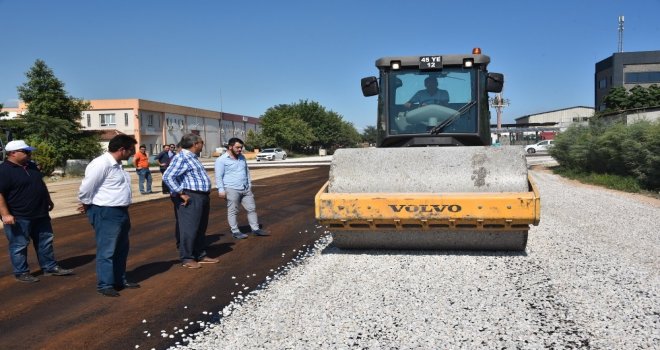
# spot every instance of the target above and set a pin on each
(498, 103)
(620, 33)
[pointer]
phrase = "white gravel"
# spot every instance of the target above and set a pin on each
(589, 279)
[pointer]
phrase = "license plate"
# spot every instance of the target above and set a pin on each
(430, 62)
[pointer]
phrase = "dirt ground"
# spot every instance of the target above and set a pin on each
(67, 312)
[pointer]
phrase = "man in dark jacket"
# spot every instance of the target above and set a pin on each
(164, 158)
(24, 206)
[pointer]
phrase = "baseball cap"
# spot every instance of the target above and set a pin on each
(16, 145)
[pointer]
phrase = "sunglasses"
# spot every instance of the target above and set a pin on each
(23, 151)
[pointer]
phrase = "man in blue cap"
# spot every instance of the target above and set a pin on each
(24, 206)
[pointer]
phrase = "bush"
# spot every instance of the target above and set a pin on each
(45, 156)
(620, 150)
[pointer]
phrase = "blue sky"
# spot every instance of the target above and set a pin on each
(247, 56)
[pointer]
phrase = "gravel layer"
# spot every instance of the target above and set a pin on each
(589, 279)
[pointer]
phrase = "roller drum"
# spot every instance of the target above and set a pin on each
(429, 170)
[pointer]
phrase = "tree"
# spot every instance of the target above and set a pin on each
(619, 99)
(257, 140)
(54, 117)
(301, 125)
(639, 97)
(370, 134)
(616, 99)
(654, 95)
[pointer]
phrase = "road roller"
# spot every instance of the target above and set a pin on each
(434, 179)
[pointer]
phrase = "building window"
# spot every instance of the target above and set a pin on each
(107, 119)
(602, 84)
(150, 120)
(642, 77)
(89, 120)
(126, 119)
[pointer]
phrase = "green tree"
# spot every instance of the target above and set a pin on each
(619, 99)
(256, 140)
(639, 97)
(370, 134)
(305, 126)
(349, 136)
(654, 95)
(616, 99)
(54, 117)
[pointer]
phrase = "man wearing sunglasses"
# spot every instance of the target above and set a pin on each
(24, 206)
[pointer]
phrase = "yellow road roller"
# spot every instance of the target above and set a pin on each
(434, 181)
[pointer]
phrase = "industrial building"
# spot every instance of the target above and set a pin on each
(626, 69)
(561, 118)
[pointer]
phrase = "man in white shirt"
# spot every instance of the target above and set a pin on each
(105, 194)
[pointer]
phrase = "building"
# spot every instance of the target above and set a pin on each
(562, 118)
(12, 112)
(155, 124)
(626, 69)
(651, 114)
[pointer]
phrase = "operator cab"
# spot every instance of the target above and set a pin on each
(433, 100)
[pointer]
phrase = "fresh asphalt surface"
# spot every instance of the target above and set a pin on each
(67, 313)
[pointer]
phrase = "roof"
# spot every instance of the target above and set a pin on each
(556, 110)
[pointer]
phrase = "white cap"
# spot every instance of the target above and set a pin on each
(16, 145)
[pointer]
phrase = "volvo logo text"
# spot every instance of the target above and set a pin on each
(431, 208)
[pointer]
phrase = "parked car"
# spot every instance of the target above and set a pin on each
(219, 151)
(271, 154)
(542, 146)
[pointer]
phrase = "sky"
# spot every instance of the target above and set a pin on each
(244, 57)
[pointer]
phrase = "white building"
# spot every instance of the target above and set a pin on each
(155, 124)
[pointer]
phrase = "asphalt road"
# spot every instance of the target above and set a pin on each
(67, 313)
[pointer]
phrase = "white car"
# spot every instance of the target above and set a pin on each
(271, 154)
(542, 146)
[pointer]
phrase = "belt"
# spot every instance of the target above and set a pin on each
(107, 206)
(197, 192)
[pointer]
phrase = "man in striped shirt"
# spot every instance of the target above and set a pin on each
(187, 178)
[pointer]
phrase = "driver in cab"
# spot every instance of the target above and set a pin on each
(430, 95)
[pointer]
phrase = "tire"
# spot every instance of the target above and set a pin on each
(258, 160)
(284, 157)
(531, 151)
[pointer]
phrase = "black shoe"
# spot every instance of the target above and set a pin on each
(26, 278)
(129, 285)
(58, 271)
(108, 292)
(259, 232)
